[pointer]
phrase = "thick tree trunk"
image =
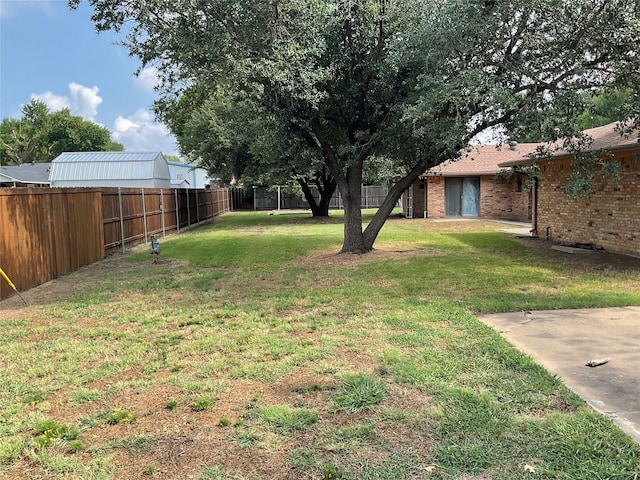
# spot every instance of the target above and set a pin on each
(310, 198)
(326, 192)
(352, 199)
(326, 189)
(353, 240)
(377, 222)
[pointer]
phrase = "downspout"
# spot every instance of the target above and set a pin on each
(425, 197)
(534, 208)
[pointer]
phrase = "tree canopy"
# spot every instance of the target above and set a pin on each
(238, 139)
(411, 81)
(40, 136)
(589, 109)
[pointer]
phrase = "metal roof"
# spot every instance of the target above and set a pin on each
(36, 173)
(109, 166)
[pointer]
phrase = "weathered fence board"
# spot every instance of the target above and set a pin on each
(47, 232)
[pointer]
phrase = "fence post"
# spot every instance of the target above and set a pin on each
(213, 203)
(175, 195)
(188, 208)
(197, 208)
(164, 235)
(278, 197)
(144, 216)
(121, 219)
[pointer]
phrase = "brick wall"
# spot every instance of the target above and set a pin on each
(609, 219)
(435, 197)
(499, 198)
(504, 198)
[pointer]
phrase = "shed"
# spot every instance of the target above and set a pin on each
(610, 216)
(188, 175)
(110, 169)
(471, 187)
(25, 175)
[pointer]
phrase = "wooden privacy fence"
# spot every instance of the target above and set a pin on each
(47, 232)
(132, 215)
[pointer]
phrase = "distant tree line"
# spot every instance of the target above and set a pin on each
(40, 135)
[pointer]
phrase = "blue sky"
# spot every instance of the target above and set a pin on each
(54, 54)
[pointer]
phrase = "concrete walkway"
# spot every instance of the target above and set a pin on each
(564, 341)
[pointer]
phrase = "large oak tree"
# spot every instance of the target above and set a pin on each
(413, 80)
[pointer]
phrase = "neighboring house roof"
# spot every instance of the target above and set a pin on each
(188, 175)
(180, 184)
(27, 173)
(89, 166)
(482, 160)
(606, 138)
(190, 166)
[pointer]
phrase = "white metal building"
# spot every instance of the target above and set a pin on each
(188, 175)
(110, 169)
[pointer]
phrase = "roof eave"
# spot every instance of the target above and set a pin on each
(462, 173)
(529, 161)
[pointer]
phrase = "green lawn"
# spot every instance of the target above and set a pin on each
(253, 351)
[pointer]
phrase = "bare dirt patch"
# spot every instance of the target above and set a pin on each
(67, 286)
(591, 261)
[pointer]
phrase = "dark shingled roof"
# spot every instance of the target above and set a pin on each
(482, 160)
(26, 173)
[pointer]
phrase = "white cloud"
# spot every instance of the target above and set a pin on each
(138, 132)
(147, 79)
(52, 101)
(141, 133)
(82, 101)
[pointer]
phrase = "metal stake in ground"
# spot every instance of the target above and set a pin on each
(4, 275)
(155, 248)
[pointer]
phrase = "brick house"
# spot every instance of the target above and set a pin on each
(610, 217)
(470, 187)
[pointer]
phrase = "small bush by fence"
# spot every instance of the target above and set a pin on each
(47, 232)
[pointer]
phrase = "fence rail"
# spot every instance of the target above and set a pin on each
(292, 197)
(47, 232)
(133, 214)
